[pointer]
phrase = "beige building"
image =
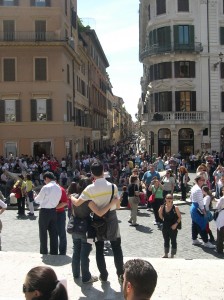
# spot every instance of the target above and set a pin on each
(182, 106)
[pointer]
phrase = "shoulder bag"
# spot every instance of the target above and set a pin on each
(153, 197)
(100, 223)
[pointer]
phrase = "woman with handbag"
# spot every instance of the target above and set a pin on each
(171, 217)
(82, 243)
(168, 183)
(133, 199)
(157, 199)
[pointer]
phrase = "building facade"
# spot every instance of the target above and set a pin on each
(180, 46)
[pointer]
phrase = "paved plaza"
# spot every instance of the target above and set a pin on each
(195, 273)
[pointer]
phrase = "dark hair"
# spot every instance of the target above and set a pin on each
(72, 189)
(28, 177)
(133, 178)
(97, 168)
(83, 183)
(49, 175)
(44, 280)
(142, 276)
(124, 188)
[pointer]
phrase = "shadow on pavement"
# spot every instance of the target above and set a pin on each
(56, 260)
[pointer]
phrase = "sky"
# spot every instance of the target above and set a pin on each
(116, 25)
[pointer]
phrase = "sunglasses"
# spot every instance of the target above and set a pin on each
(169, 199)
(27, 289)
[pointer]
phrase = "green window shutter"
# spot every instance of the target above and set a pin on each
(221, 35)
(48, 2)
(32, 2)
(49, 109)
(16, 2)
(176, 35)
(192, 69)
(151, 73)
(191, 35)
(193, 101)
(150, 38)
(222, 69)
(156, 102)
(222, 101)
(177, 101)
(154, 37)
(33, 110)
(18, 110)
(169, 101)
(167, 37)
(2, 111)
(167, 70)
(177, 69)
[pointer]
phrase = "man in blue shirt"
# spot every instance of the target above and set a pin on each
(147, 178)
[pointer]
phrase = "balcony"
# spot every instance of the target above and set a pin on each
(171, 48)
(30, 36)
(191, 117)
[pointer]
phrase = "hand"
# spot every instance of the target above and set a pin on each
(114, 202)
(174, 226)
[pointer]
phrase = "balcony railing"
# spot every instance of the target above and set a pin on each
(175, 117)
(30, 36)
(176, 47)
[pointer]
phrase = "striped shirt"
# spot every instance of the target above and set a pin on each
(99, 192)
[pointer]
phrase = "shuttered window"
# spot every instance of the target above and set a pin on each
(9, 2)
(40, 3)
(221, 35)
(183, 5)
(41, 69)
(73, 17)
(162, 71)
(10, 111)
(163, 102)
(9, 30)
(185, 101)
(41, 109)
(9, 69)
(184, 69)
(149, 12)
(222, 102)
(69, 111)
(184, 37)
(40, 30)
(160, 7)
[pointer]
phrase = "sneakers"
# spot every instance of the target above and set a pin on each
(92, 279)
(196, 242)
(155, 223)
(209, 245)
(134, 225)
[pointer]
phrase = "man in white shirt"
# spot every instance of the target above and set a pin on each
(48, 198)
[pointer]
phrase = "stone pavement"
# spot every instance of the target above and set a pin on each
(178, 279)
(195, 273)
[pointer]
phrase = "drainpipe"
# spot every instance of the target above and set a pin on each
(209, 74)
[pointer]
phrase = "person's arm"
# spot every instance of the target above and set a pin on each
(174, 226)
(76, 201)
(102, 211)
(161, 212)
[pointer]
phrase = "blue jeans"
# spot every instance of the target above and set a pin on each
(61, 219)
(81, 251)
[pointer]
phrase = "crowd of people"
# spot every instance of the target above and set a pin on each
(99, 184)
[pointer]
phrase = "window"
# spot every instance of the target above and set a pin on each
(66, 7)
(40, 30)
(183, 5)
(163, 101)
(41, 69)
(161, 71)
(9, 69)
(68, 74)
(69, 111)
(184, 37)
(9, 30)
(9, 3)
(184, 69)
(149, 12)
(160, 7)
(221, 35)
(222, 102)
(73, 17)
(41, 110)
(160, 39)
(185, 101)
(40, 3)
(10, 111)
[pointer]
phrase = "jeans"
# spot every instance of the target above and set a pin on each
(118, 258)
(196, 229)
(170, 235)
(21, 205)
(156, 205)
(48, 223)
(61, 219)
(81, 251)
